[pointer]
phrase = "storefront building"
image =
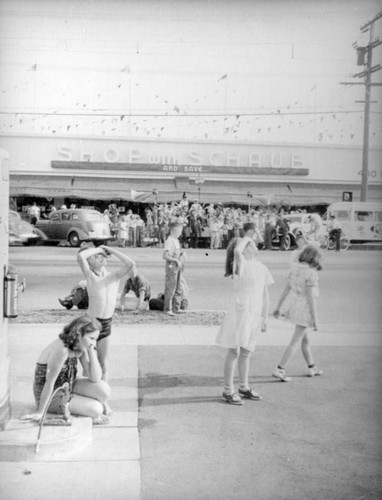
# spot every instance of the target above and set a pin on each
(116, 101)
(98, 169)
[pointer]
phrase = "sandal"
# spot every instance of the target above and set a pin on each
(250, 394)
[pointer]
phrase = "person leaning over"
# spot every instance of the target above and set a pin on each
(57, 365)
(141, 288)
(78, 297)
(102, 287)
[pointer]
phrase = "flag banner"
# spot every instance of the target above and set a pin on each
(140, 195)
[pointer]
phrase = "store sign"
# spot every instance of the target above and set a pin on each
(265, 159)
(178, 169)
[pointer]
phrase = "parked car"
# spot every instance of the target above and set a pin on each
(21, 232)
(75, 226)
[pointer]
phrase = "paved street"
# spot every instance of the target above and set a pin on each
(350, 283)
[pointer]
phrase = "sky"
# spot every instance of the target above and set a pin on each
(230, 70)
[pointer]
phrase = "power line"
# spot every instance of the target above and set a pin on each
(187, 115)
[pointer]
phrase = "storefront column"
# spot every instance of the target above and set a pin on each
(5, 408)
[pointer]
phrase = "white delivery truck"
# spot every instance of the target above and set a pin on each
(360, 221)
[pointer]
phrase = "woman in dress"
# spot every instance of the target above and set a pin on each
(245, 317)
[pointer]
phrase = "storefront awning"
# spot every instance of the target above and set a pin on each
(171, 189)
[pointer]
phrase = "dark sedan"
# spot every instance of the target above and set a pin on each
(75, 226)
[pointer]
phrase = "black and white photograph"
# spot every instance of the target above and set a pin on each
(191, 249)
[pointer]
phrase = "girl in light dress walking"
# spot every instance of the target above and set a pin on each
(245, 317)
(303, 286)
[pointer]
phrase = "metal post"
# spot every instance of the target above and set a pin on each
(366, 75)
(249, 201)
(365, 153)
(198, 181)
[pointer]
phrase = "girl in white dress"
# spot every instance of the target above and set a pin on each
(246, 315)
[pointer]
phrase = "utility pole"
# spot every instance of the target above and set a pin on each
(365, 56)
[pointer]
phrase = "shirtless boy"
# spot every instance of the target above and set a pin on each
(102, 287)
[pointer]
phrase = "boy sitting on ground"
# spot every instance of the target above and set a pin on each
(78, 297)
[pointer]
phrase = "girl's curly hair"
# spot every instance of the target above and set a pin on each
(311, 254)
(76, 329)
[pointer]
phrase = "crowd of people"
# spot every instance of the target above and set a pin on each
(216, 223)
(212, 225)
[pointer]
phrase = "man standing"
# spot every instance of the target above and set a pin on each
(334, 229)
(173, 256)
(283, 228)
(34, 213)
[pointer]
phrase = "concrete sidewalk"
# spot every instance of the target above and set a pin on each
(113, 467)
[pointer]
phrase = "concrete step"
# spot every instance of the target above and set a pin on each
(18, 441)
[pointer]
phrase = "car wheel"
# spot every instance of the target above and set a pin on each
(287, 242)
(345, 243)
(99, 243)
(324, 242)
(74, 239)
(331, 244)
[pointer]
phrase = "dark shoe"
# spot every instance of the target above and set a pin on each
(250, 394)
(66, 303)
(232, 399)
